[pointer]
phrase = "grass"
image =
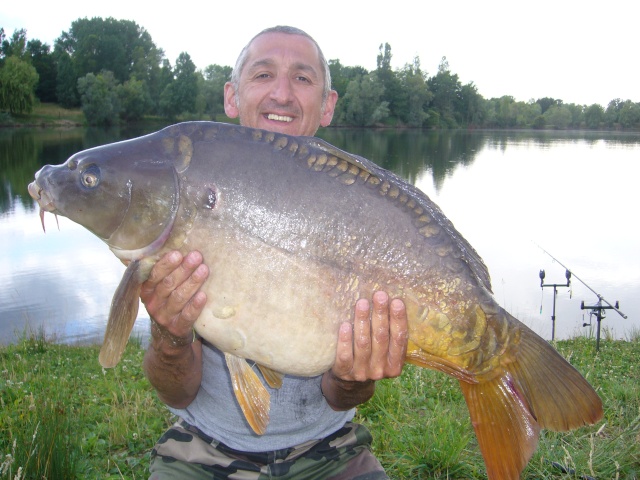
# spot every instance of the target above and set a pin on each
(63, 416)
(53, 115)
(49, 115)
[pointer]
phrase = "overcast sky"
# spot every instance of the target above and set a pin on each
(580, 52)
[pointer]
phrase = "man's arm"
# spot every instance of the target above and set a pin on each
(173, 361)
(372, 349)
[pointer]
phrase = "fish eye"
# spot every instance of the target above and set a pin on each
(90, 178)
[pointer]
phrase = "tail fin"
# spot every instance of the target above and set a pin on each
(539, 389)
(559, 395)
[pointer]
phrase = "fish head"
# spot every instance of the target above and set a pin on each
(126, 193)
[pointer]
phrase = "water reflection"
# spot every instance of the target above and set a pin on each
(570, 192)
(23, 151)
(410, 153)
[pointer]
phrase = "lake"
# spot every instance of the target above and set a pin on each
(508, 193)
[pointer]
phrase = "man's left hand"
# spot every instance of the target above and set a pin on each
(371, 349)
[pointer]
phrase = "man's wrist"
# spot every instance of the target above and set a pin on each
(343, 394)
(164, 337)
(348, 384)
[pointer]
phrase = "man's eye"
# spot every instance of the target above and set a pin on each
(303, 79)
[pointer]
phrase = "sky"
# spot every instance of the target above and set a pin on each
(579, 52)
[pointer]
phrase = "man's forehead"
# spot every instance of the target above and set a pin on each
(270, 48)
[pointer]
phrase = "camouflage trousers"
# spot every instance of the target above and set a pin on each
(185, 452)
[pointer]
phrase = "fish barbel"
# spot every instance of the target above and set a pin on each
(296, 231)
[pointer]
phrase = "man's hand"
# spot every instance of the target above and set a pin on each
(171, 293)
(371, 349)
(172, 296)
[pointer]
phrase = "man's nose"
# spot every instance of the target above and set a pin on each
(282, 91)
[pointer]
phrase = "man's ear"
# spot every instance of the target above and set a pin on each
(230, 105)
(329, 108)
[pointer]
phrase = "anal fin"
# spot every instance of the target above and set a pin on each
(251, 394)
(122, 316)
(417, 356)
(506, 430)
(273, 378)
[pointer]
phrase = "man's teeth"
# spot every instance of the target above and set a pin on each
(280, 118)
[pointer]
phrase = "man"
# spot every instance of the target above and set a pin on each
(281, 82)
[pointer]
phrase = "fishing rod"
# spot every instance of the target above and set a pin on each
(600, 297)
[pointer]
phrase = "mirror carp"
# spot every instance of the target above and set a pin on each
(295, 231)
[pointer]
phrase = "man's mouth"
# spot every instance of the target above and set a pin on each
(279, 118)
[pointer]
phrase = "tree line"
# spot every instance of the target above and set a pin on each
(113, 70)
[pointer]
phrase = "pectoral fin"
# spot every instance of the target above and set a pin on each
(251, 394)
(122, 316)
(273, 378)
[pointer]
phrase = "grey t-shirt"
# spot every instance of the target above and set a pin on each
(298, 411)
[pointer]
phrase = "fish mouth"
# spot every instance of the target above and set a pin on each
(41, 196)
(44, 201)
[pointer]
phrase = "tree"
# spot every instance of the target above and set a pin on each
(134, 99)
(108, 44)
(66, 81)
(341, 76)
(445, 88)
(18, 80)
(414, 85)
(393, 93)
(14, 47)
(180, 95)
(119, 46)
(362, 103)
(505, 112)
(212, 89)
(547, 102)
(527, 115)
(629, 115)
(594, 116)
(577, 114)
(44, 63)
(470, 105)
(612, 112)
(558, 116)
(99, 97)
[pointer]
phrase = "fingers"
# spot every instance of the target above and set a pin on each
(380, 335)
(171, 294)
(362, 347)
(344, 352)
(375, 346)
(399, 336)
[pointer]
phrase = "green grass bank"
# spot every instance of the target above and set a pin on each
(63, 416)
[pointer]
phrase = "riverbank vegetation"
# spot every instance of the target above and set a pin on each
(113, 71)
(63, 416)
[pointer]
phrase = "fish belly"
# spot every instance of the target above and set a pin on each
(269, 306)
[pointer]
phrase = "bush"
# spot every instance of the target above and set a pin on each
(99, 98)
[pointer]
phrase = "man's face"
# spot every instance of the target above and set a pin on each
(281, 86)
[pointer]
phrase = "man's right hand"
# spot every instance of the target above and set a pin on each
(172, 296)
(171, 293)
